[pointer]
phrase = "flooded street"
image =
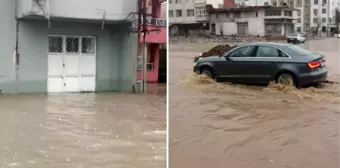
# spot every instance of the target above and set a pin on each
(238, 126)
(102, 130)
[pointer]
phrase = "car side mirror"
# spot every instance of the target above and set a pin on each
(227, 58)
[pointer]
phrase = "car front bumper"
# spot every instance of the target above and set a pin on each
(313, 77)
(195, 69)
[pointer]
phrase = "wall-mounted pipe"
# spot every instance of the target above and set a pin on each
(16, 49)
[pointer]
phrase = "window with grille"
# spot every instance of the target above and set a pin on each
(72, 44)
(88, 45)
(55, 44)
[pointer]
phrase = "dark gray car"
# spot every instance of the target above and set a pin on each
(264, 62)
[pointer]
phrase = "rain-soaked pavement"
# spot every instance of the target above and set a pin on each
(102, 130)
(237, 126)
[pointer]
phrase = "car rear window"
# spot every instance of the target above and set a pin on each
(299, 50)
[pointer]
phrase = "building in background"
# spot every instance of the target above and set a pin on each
(256, 21)
(189, 17)
(312, 16)
(67, 46)
(155, 47)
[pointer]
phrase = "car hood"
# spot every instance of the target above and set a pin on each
(210, 58)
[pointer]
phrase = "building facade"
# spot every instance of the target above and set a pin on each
(256, 21)
(310, 16)
(67, 46)
(155, 44)
(189, 15)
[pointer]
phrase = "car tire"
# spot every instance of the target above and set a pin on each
(286, 79)
(208, 72)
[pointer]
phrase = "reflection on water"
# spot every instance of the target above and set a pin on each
(83, 130)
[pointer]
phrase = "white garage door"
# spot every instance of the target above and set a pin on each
(71, 64)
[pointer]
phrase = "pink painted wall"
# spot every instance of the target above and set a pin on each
(152, 76)
(154, 38)
(158, 37)
(156, 9)
(228, 3)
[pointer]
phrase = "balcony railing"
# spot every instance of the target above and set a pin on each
(153, 22)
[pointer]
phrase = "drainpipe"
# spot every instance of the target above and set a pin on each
(16, 50)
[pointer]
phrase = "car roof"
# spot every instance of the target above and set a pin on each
(273, 44)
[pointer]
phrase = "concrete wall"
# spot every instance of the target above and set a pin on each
(115, 53)
(82, 9)
(7, 45)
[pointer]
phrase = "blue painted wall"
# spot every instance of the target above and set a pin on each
(7, 45)
(115, 55)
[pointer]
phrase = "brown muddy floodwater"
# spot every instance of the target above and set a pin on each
(237, 126)
(102, 130)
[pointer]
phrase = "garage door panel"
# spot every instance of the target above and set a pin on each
(87, 84)
(55, 63)
(55, 84)
(88, 64)
(71, 84)
(71, 63)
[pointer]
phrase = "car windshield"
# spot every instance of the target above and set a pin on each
(299, 50)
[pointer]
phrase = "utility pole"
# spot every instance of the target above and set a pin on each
(144, 30)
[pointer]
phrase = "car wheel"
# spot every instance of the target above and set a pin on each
(208, 72)
(285, 79)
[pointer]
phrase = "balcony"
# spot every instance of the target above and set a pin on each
(200, 3)
(157, 30)
(202, 18)
(76, 9)
(271, 14)
(155, 22)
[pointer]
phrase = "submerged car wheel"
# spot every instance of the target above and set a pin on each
(208, 72)
(285, 79)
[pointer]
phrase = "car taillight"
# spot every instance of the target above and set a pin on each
(314, 64)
